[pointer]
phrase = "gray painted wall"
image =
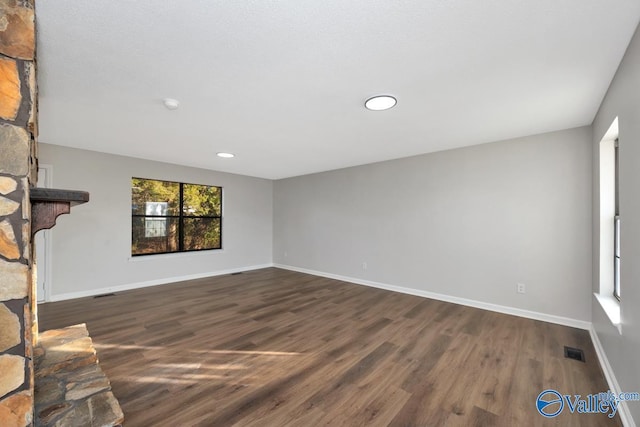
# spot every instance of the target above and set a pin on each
(623, 100)
(468, 223)
(92, 246)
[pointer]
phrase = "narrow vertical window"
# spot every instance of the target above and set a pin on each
(608, 223)
(616, 225)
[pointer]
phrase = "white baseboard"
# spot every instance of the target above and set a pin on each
(566, 321)
(163, 281)
(417, 292)
(614, 386)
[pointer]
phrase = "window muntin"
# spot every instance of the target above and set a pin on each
(174, 217)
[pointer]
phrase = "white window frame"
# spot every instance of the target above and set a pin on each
(607, 228)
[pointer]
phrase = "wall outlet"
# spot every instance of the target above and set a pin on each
(364, 265)
(285, 254)
(521, 288)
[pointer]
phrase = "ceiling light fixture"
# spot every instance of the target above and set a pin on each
(171, 104)
(225, 155)
(380, 102)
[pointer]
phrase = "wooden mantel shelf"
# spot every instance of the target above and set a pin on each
(47, 204)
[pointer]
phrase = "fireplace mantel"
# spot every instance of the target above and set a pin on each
(47, 204)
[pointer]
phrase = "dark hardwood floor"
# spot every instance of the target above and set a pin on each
(277, 348)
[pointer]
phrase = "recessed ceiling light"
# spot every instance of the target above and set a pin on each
(171, 104)
(225, 155)
(380, 102)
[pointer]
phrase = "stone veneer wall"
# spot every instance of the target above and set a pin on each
(18, 171)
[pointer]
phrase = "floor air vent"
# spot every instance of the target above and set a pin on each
(573, 353)
(236, 273)
(105, 295)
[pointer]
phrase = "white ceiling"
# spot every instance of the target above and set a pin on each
(282, 83)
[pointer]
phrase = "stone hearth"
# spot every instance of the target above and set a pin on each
(70, 387)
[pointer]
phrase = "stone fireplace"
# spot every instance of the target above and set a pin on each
(18, 172)
(57, 381)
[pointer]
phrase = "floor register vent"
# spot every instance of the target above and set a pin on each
(105, 295)
(574, 353)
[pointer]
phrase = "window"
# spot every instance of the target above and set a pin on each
(616, 226)
(174, 217)
(608, 236)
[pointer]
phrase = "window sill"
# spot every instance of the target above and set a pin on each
(611, 307)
